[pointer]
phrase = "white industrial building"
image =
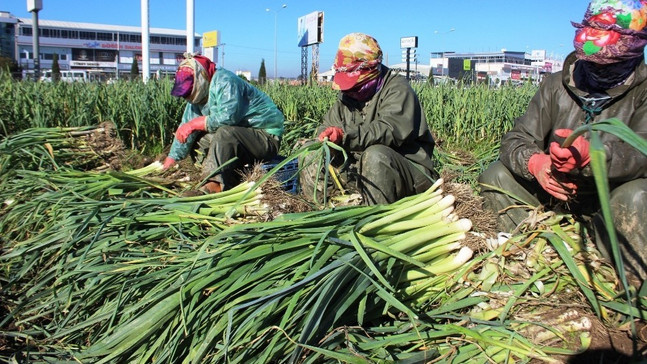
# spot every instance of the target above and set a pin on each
(87, 46)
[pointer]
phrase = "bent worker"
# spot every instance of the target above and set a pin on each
(232, 122)
(378, 120)
(605, 77)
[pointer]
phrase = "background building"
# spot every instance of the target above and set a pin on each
(497, 67)
(109, 49)
(7, 35)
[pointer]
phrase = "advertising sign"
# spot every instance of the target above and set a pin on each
(210, 39)
(409, 42)
(515, 74)
(310, 29)
(548, 67)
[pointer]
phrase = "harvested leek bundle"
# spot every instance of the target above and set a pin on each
(76, 147)
(303, 274)
(209, 298)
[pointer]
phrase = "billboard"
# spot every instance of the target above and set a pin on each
(538, 54)
(210, 39)
(462, 69)
(310, 29)
(409, 42)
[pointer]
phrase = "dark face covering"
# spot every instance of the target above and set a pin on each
(592, 77)
(364, 92)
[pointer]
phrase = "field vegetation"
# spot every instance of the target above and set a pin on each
(106, 259)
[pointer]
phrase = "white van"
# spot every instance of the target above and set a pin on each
(66, 76)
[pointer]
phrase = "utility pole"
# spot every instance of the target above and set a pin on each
(146, 61)
(34, 6)
(276, 16)
(190, 26)
(222, 61)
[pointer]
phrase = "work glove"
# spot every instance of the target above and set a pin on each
(333, 133)
(196, 124)
(168, 162)
(540, 166)
(575, 156)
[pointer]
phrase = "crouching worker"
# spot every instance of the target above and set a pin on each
(606, 77)
(225, 118)
(378, 120)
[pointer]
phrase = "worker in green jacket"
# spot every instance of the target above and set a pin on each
(379, 122)
(233, 123)
(605, 77)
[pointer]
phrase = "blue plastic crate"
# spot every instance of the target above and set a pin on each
(287, 174)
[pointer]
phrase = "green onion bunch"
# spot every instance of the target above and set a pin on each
(137, 280)
(265, 291)
(85, 147)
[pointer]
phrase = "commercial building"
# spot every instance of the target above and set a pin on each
(109, 49)
(497, 67)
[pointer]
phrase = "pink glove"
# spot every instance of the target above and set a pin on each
(168, 162)
(575, 156)
(540, 167)
(197, 124)
(333, 133)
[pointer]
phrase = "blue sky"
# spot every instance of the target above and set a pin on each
(248, 29)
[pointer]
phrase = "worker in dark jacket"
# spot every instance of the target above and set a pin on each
(606, 77)
(230, 121)
(379, 122)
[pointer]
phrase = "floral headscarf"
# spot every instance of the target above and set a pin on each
(194, 74)
(612, 31)
(357, 61)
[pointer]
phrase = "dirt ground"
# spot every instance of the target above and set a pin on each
(609, 345)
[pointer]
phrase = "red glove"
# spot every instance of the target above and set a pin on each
(575, 156)
(168, 162)
(333, 133)
(540, 167)
(197, 124)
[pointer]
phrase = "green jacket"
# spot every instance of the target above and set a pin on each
(392, 117)
(231, 101)
(558, 105)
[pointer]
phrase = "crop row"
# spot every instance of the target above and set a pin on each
(145, 114)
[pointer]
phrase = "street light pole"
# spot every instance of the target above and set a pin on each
(34, 6)
(222, 60)
(442, 71)
(276, 15)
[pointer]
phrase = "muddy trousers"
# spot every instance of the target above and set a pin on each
(380, 174)
(628, 202)
(247, 145)
(386, 176)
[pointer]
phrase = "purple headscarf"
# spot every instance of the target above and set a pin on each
(183, 82)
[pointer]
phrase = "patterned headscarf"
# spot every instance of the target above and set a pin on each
(192, 78)
(612, 31)
(357, 61)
